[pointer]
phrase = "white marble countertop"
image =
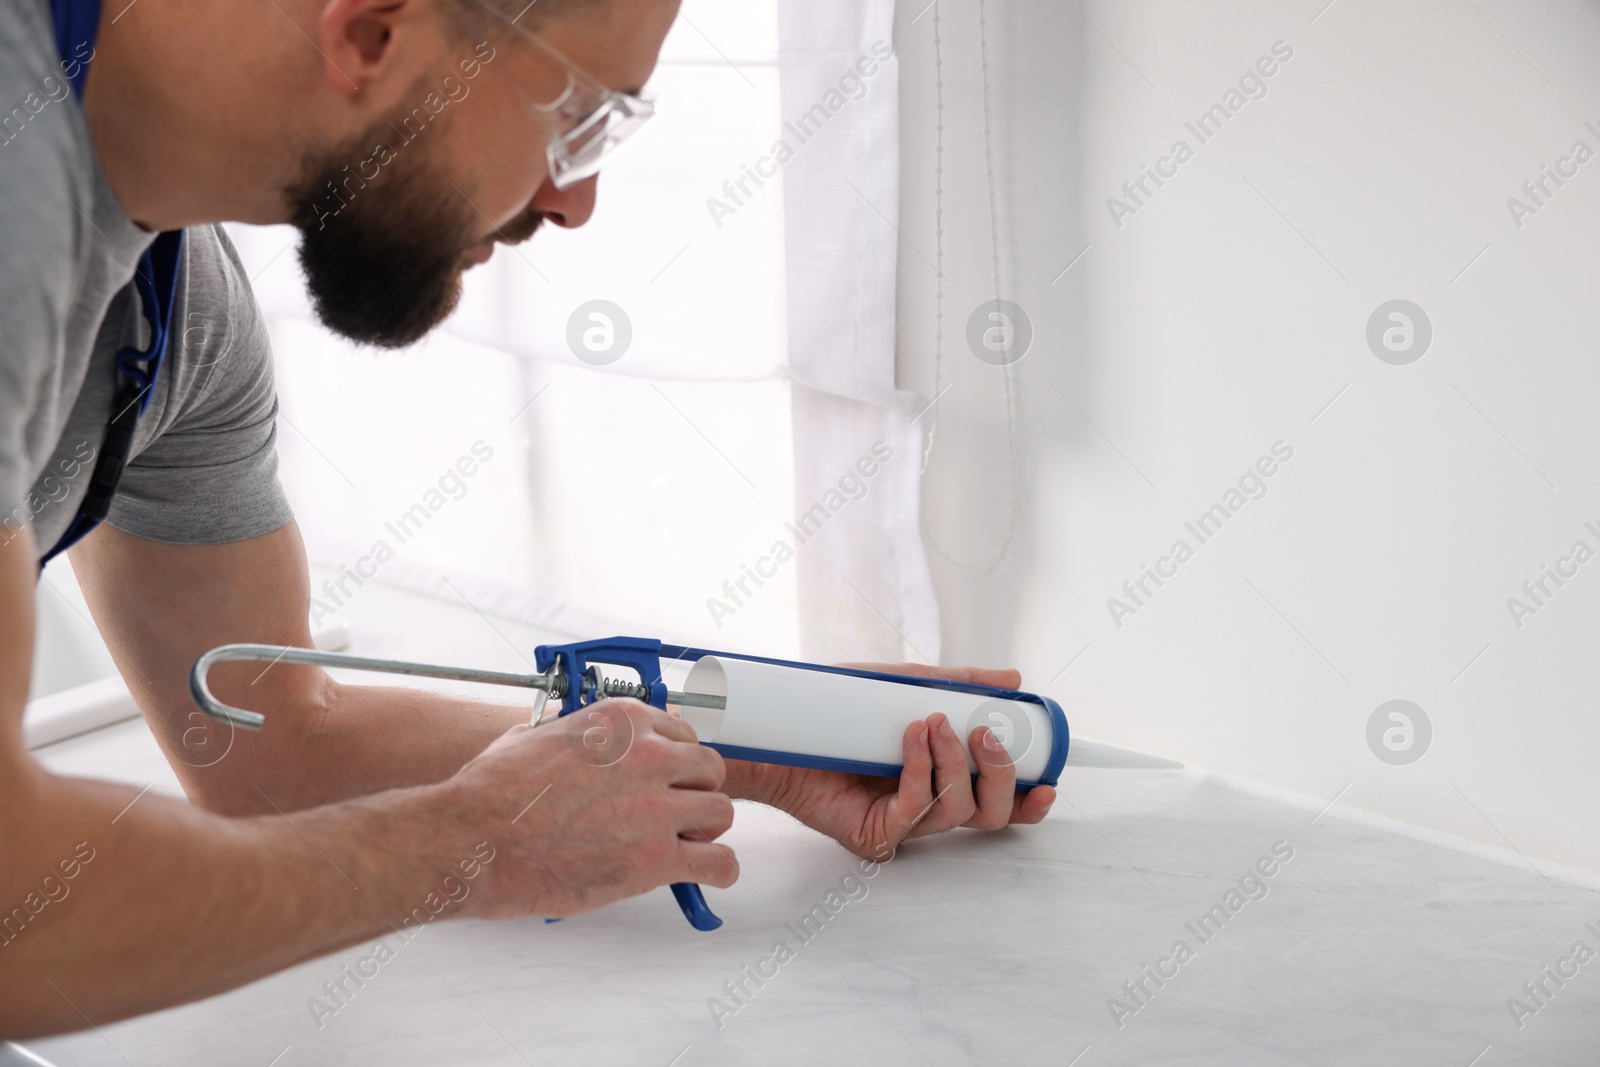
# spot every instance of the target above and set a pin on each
(1004, 948)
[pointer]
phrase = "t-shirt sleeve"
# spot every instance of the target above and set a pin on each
(210, 474)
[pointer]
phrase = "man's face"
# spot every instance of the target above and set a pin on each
(392, 217)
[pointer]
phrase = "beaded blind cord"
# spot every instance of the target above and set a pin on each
(1007, 369)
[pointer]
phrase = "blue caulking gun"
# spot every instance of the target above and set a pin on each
(747, 708)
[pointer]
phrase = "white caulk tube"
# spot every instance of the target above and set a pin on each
(816, 718)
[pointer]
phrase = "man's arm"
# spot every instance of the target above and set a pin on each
(160, 606)
(114, 903)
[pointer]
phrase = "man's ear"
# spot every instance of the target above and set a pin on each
(361, 40)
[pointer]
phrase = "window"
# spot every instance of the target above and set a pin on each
(656, 493)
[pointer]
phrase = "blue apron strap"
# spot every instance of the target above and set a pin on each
(77, 24)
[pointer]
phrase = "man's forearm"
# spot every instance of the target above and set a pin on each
(334, 742)
(98, 877)
(324, 742)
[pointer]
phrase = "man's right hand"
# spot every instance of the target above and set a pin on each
(613, 800)
(347, 813)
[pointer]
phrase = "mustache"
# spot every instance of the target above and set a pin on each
(520, 228)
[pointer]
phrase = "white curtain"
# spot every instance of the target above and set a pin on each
(864, 586)
(744, 475)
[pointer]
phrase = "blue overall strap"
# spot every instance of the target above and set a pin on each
(136, 380)
(156, 279)
(77, 23)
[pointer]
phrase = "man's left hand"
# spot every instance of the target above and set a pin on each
(936, 792)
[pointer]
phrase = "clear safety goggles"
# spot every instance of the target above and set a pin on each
(588, 121)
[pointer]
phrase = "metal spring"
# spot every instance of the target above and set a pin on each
(617, 687)
(595, 681)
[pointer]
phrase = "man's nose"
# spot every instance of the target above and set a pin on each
(569, 207)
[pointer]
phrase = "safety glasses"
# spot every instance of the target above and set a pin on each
(588, 122)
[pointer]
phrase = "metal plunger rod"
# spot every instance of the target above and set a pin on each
(553, 684)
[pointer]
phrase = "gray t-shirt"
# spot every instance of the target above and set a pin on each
(203, 467)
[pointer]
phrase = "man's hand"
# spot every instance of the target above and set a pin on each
(611, 801)
(871, 816)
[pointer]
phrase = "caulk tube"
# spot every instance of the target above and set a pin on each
(788, 714)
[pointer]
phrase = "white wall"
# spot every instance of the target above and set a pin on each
(1223, 317)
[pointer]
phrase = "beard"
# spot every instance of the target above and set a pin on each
(383, 258)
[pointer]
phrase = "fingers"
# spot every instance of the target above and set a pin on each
(669, 726)
(952, 780)
(644, 716)
(1031, 807)
(696, 767)
(700, 816)
(996, 790)
(1007, 678)
(617, 728)
(708, 864)
(914, 797)
(673, 729)
(935, 790)
(988, 802)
